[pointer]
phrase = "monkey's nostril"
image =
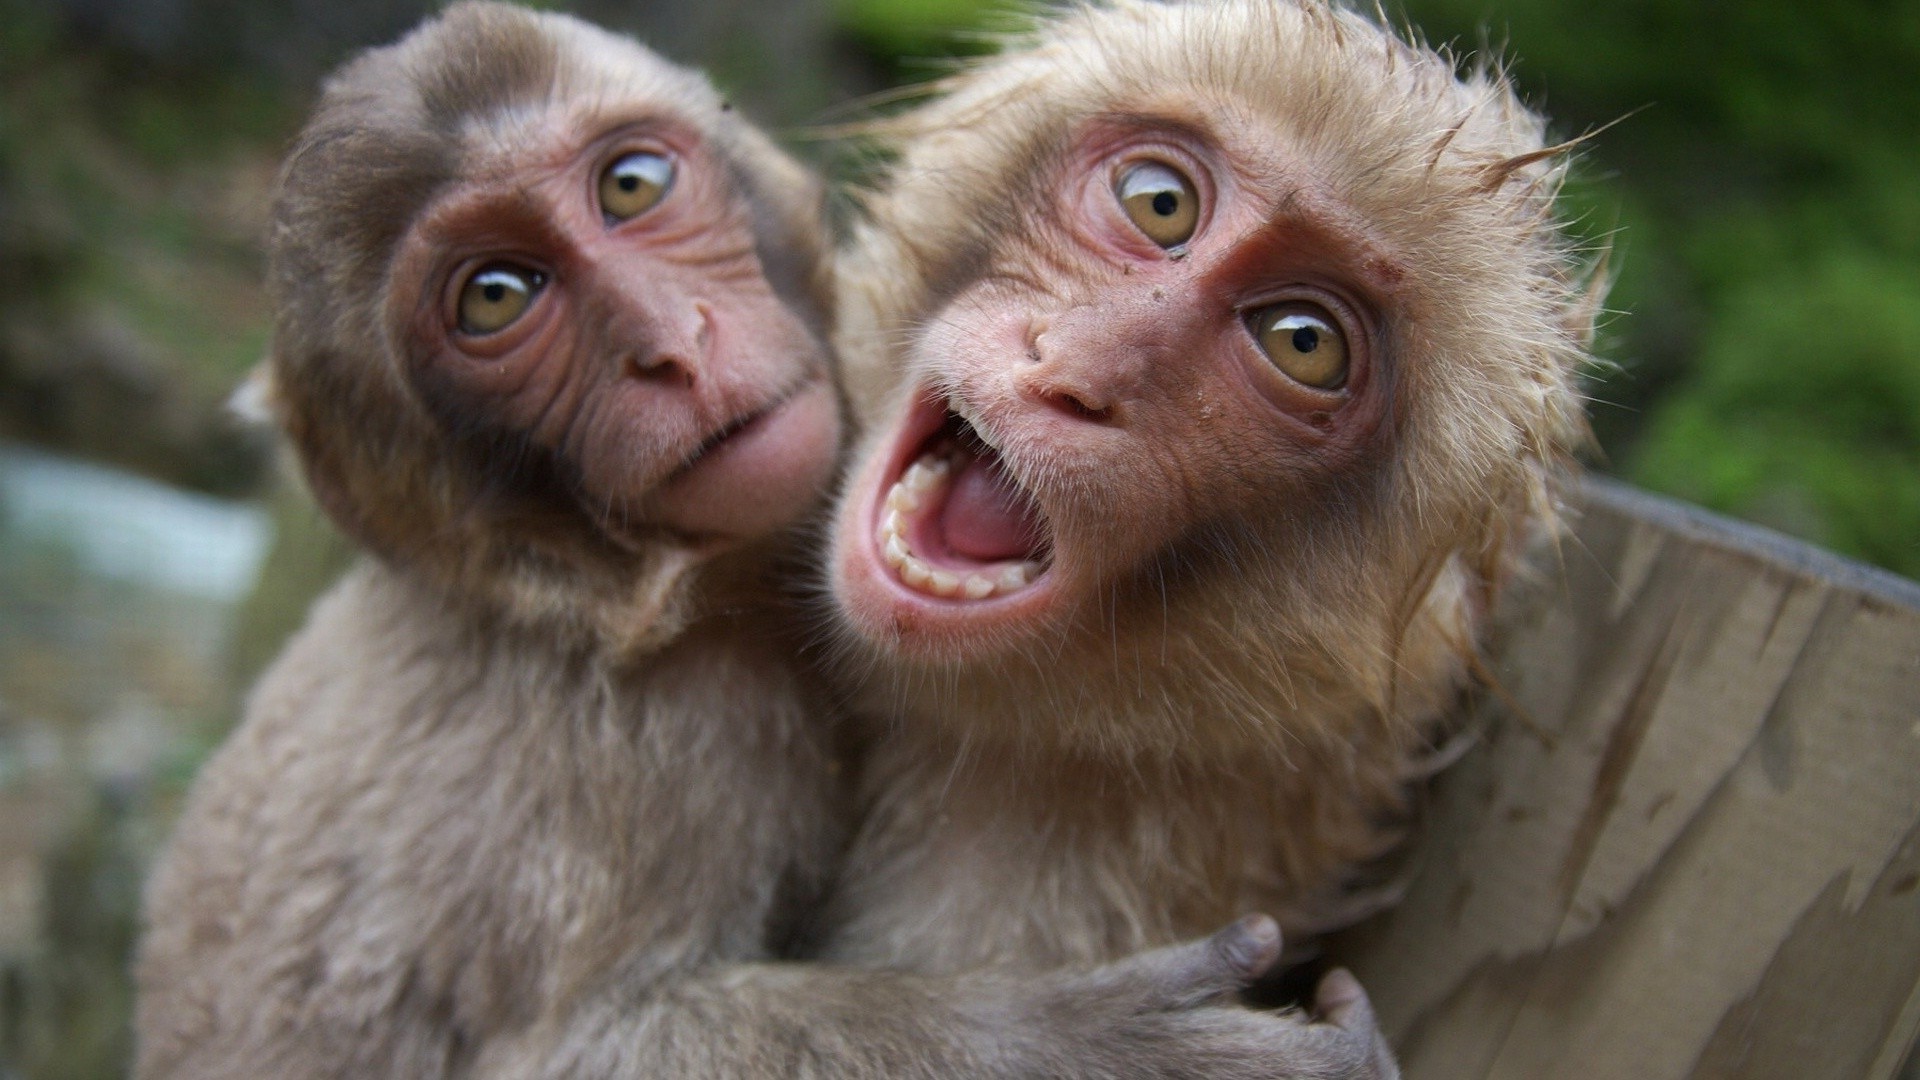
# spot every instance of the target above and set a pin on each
(1076, 404)
(662, 368)
(1036, 339)
(1072, 403)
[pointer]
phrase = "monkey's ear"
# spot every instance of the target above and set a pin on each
(256, 401)
(258, 405)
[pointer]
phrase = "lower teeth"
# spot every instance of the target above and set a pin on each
(924, 478)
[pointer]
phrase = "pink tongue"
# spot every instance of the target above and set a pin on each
(986, 517)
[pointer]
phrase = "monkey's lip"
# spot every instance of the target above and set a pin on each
(759, 470)
(948, 523)
(744, 426)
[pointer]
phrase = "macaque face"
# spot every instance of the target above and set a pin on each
(1178, 326)
(594, 293)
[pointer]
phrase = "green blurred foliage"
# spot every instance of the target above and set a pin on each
(1758, 192)
(1756, 188)
(906, 34)
(1803, 406)
(1768, 242)
(129, 266)
(70, 1019)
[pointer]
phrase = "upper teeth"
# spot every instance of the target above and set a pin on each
(922, 478)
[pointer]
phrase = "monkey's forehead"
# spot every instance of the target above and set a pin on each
(480, 60)
(1439, 171)
(504, 82)
(610, 67)
(1331, 82)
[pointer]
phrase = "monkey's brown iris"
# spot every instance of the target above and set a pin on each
(1304, 342)
(495, 296)
(1160, 202)
(634, 183)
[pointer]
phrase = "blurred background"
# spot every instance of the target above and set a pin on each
(1762, 196)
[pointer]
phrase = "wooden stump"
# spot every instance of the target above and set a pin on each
(1697, 854)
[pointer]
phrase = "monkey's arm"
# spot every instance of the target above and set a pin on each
(1165, 1013)
(366, 886)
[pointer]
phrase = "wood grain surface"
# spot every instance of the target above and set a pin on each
(1688, 842)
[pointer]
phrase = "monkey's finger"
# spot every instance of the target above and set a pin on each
(1247, 948)
(1340, 1001)
(1185, 976)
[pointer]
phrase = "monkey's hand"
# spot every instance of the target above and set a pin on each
(1171, 1013)
(1168, 1014)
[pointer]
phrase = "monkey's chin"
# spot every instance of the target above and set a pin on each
(758, 475)
(938, 551)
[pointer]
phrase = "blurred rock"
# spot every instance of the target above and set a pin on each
(118, 606)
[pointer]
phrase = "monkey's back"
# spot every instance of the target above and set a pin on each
(430, 827)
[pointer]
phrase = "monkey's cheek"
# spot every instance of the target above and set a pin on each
(763, 477)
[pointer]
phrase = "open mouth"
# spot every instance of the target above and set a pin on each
(953, 523)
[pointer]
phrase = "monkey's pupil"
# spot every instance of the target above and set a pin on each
(494, 291)
(629, 183)
(1306, 339)
(1165, 203)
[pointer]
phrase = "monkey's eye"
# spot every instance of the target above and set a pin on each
(495, 295)
(1303, 341)
(634, 183)
(1160, 202)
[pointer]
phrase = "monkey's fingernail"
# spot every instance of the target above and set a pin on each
(1340, 1001)
(1257, 943)
(1260, 929)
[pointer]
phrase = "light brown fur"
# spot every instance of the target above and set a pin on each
(1227, 720)
(501, 769)
(435, 831)
(538, 791)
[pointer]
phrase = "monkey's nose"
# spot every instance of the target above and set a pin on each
(1047, 378)
(677, 353)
